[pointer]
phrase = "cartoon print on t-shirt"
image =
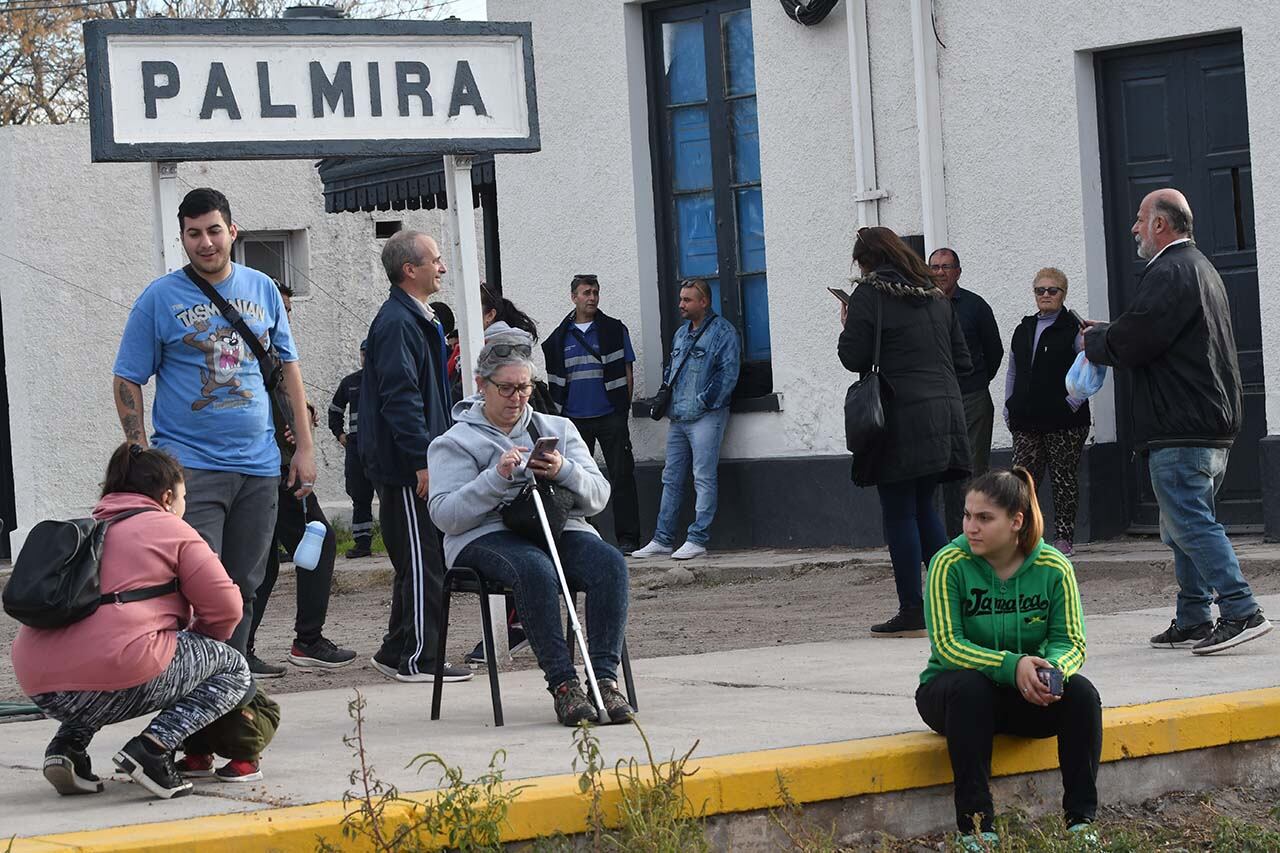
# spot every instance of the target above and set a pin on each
(224, 353)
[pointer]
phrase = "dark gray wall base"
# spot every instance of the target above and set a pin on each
(810, 502)
(1269, 462)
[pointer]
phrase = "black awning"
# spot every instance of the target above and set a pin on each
(353, 184)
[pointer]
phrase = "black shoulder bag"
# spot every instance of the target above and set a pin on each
(520, 515)
(55, 580)
(660, 402)
(863, 406)
(268, 359)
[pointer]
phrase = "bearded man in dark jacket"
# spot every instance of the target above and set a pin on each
(1176, 340)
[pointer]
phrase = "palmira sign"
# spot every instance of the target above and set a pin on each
(199, 90)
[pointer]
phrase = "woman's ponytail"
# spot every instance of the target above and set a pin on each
(1014, 492)
(1032, 518)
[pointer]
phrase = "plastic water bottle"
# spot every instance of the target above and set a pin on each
(308, 553)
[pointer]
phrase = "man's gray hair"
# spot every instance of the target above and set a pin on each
(401, 249)
(1177, 215)
(500, 336)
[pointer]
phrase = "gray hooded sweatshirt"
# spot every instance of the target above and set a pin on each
(467, 490)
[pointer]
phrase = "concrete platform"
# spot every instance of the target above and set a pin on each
(729, 702)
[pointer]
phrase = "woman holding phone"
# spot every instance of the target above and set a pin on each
(926, 441)
(479, 466)
(1007, 634)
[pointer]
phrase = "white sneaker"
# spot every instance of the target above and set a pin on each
(653, 549)
(688, 551)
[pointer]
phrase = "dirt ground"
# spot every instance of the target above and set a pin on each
(807, 604)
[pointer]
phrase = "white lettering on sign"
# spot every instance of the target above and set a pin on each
(250, 89)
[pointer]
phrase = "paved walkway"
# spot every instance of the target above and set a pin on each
(731, 701)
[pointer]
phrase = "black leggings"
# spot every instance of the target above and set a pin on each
(969, 709)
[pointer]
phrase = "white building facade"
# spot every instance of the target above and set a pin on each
(76, 249)
(724, 139)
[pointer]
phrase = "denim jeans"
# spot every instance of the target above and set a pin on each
(1185, 480)
(697, 443)
(913, 532)
(590, 564)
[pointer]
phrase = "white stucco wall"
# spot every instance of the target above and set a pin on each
(1020, 161)
(92, 225)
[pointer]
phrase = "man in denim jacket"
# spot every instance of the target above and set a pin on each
(705, 357)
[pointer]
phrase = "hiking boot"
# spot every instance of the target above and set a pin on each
(322, 653)
(615, 701)
(1181, 638)
(357, 551)
(68, 770)
(262, 669)
(572, 705)
(194, 766)
(907, 623)
(1232, 632)
(152, 767)
(238, 770)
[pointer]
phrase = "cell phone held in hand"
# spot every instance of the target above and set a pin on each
(542, 448)
(839, 294)
(1050, 677)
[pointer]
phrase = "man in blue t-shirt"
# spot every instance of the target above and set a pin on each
(212, 411)
(589, 367)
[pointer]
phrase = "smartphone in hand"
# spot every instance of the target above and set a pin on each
(542, 448)
(1050, 677)
(839, 294)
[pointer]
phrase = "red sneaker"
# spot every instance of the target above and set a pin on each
(196, 766)
(239, 771)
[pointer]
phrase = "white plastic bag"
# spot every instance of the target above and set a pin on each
(1085, 378)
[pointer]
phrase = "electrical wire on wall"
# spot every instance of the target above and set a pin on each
(808, 12)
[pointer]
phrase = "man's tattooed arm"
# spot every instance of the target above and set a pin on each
(128, 397)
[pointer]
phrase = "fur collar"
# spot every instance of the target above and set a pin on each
(890, 282)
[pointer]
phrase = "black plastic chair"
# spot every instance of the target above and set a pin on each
(467, 580)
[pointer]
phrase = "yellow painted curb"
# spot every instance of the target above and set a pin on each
(728, 783)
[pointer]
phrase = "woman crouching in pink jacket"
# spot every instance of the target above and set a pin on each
(125, 660)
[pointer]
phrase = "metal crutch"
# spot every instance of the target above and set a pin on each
(602, 715)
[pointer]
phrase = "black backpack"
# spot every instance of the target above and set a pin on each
(55, 577)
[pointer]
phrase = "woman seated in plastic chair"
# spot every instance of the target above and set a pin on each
(476, 471)
(1007, 631)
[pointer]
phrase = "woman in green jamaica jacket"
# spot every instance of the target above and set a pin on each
(1000, 604)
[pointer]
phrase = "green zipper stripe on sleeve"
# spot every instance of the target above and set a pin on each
(1072, 660)
(943, 637)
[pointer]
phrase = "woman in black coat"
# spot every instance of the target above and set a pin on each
(1049, 427)
(925, 442)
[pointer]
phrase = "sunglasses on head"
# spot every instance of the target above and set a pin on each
(1041, 291)
(505, 350)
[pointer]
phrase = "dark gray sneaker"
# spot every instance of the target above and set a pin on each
(68, 770)
(1232, 632)
(1181, 638)
(152, 768)
(262, 669)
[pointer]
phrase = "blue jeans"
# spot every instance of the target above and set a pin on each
(696, 442)
(913, 532)
(590, 564)
(1185, 480)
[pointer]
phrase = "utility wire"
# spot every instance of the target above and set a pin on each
(64, 281)
(293, 267)
(102, 297)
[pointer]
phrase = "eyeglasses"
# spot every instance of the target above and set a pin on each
(505, 350)
(506, 389)
(1052, 291)
(943, 267)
